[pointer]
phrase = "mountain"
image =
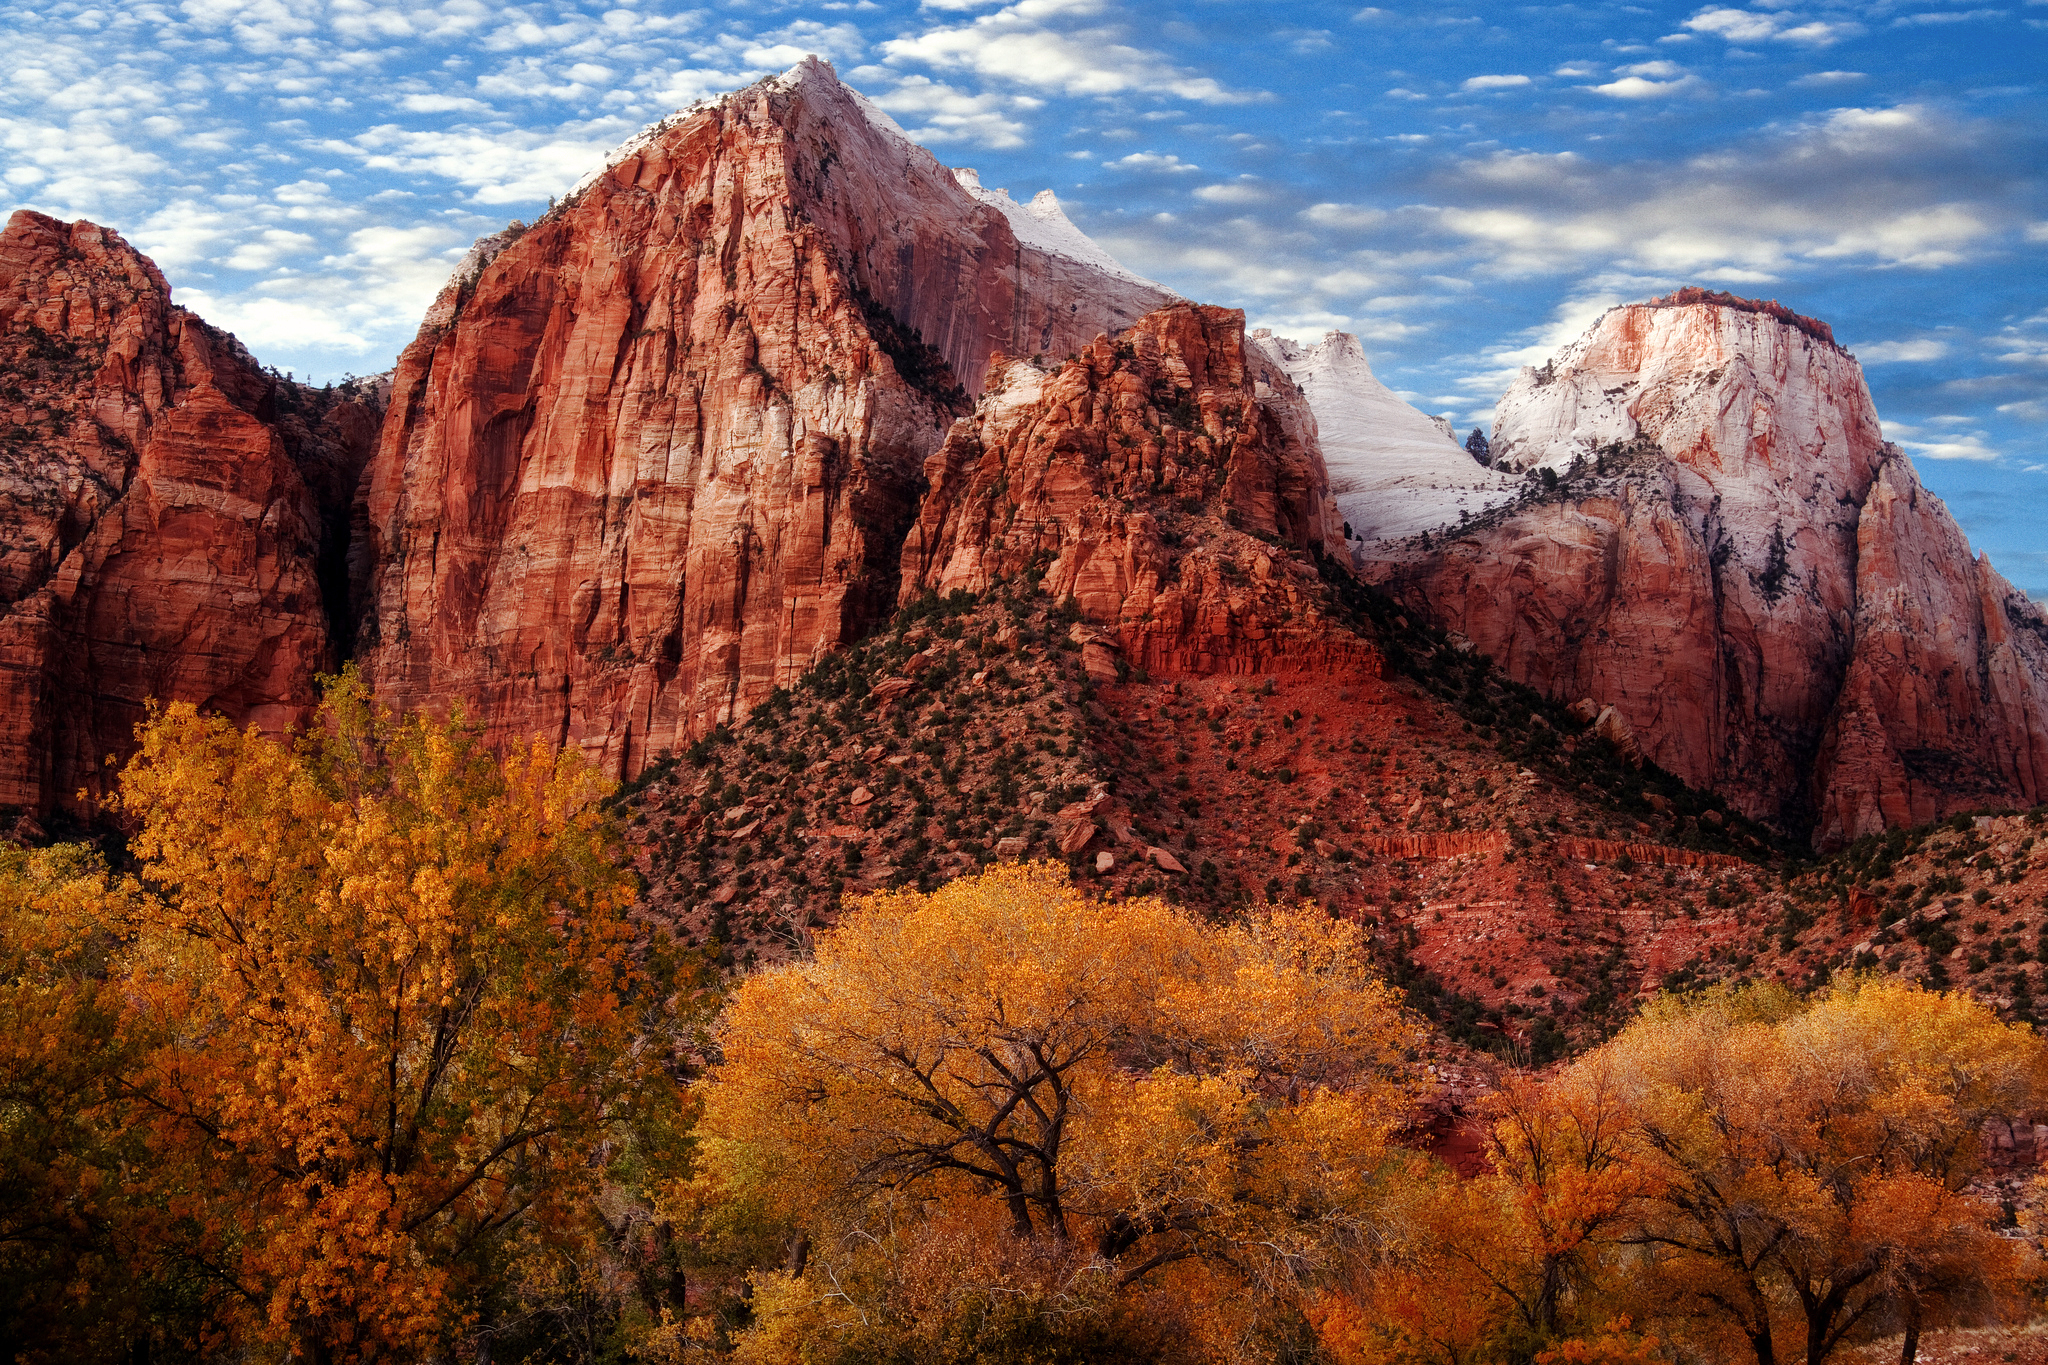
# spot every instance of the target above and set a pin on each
(1724, 550)
(1395, 471)
(173, 519)
(656, 455)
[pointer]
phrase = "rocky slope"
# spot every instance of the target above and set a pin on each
(1395, 471)
(166, 513)
(656, 455)
(1723, 550)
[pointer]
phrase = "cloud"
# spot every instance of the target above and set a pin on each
(1477, 83)
(1969, 446)
(1642, 88)
(1151, 161)
(1815, 80)
(497, 167)
(1946, 17)
(1245, 191)
(1890, 352)
(1020, 44)
(1757, 26)
(932, 112)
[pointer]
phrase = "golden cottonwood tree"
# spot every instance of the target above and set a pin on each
(1110, 1081)
(65, 1047)
(1809, 1163)
(392, 979)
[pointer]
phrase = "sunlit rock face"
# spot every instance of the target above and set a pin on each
(650, 458)
(1727, 552)
(1167, 482)
(172, 519)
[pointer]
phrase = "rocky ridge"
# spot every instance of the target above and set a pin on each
(173, 519)
(1723, 550)
(657, 456)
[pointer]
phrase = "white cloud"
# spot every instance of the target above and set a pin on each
(932, 112)
(1638, 88)
(1151, 161)
(1946, 17)
(1344, 215)
(1889, 352)
(1244, 191)
(1758, 26)
(1477, 83)
(1823, 79)
(1020, 43)
(1969, 446)
(498, 167)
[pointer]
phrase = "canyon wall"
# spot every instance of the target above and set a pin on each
(1731, 556)
(655, 455)
(1168, 482)
(166, 511)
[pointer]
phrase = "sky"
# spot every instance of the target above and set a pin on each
(1464, 186)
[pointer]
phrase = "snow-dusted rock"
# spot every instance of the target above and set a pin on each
(1738, 564)
(1395, 471)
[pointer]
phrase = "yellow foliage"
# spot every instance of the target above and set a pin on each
(1105, 1076)
(389, 980)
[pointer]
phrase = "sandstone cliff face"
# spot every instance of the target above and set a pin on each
(1738, 564)
(1168, 481)
(159, 537)
(657, 455)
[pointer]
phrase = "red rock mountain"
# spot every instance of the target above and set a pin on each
(1142, 477)
(655, 455)
(1736, 562)
(166, 512)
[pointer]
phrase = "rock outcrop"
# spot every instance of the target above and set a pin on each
(1395, 470)
(654, 456)
(1730, 556)
(1167, 481)
(166, 509)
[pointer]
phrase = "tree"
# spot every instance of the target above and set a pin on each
(391, 977)
(1118, 1087)
(1810, 1163)
(66, 1277)
(1478, 447)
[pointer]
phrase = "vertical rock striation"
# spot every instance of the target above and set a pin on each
(1733, 558)
(165, 511)
(1168, 482)
(653, 456)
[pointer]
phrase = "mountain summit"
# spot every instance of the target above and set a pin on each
(1725, 550)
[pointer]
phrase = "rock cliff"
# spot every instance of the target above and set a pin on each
(166, 511)
(1724, 550)
(1168, 481)
(654, 456)
(1395, 471)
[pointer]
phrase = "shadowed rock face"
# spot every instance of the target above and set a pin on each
(1160, 481)
(1740, 566)
(166, 508)
(652, 458)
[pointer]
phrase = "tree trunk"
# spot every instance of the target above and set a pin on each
(1909, 1348)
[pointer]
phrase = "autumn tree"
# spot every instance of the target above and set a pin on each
(1115, 1089)
(66, 1276)
(391, 977)
(1810, 1163)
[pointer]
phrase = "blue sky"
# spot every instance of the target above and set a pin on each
(1464, 186)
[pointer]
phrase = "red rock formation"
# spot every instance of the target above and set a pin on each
(157, 537)
(1755, 583)
(1161, 481)
(652, 457)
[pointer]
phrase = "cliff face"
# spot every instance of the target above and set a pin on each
(1168, 482)
(165, 507)
(655, 456)
(1736, 562)
(1395, 470)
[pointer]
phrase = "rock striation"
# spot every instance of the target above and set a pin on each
(1167, 481)
(654, 456)
(166, 512)
(1726, 552)
(1395, 471)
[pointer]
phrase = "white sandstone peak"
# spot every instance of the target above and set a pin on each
(1394, 470)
